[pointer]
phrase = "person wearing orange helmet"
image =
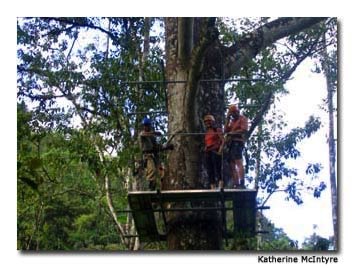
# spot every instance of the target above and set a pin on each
(236, 127)
(213, 140)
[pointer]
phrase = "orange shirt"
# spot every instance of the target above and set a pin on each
(239, 125)
(212, 139)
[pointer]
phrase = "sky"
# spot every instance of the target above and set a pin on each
(306, 92)
(12, 257)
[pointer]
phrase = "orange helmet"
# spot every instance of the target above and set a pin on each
(209, 117)
(233, 108)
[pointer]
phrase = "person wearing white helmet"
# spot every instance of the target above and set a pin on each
(213, 140)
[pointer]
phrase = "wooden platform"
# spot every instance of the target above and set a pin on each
(144, 206)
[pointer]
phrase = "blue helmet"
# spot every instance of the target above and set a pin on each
(147, 121)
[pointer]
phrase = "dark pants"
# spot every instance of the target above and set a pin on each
(213, 164)
(235, 150)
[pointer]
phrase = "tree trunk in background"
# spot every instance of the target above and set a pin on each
(331, 141)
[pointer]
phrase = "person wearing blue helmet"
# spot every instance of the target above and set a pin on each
(147, 121)
(149, 148)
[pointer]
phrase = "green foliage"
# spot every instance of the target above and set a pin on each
(80, 107)
(274, 65)
(277, 171)
(316, 243)
(274, 238)
(59, 204)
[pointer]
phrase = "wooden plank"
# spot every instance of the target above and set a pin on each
(244, 214)
(193, 195)
(243, 200)
(144, 218)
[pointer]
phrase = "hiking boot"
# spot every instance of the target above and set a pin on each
(221, 185)
(240, 186)
(152, 185)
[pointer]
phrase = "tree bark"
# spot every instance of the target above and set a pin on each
(187, 230)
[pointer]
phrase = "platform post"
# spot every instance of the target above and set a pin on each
(244, 214)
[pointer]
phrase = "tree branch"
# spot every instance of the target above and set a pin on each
(185, 40)
(250, 44)
(259, 116)
(80, 23)
(269, 96)
(71, 48)
(118, 226)
(197, 58)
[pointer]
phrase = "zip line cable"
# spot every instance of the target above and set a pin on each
(185, 81)
(165, 112)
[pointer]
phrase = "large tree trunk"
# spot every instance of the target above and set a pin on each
(194, 53)
(187, 104)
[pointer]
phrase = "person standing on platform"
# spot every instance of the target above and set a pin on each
(213, 140)
(151, 149)
(236, 127)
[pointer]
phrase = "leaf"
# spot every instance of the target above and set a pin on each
(34, 163)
